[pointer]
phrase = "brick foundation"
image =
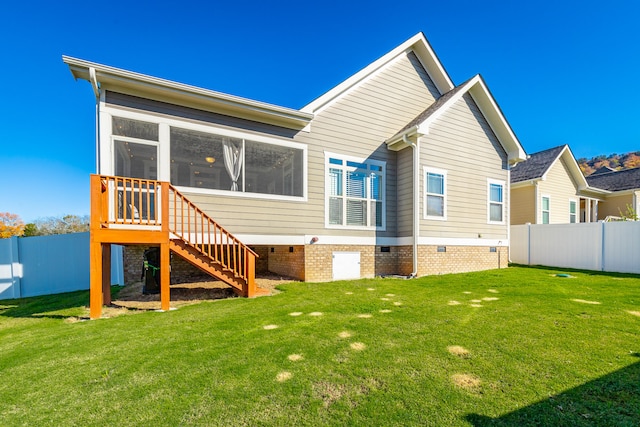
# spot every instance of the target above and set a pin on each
(314, 263)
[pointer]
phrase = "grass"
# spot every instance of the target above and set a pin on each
(537, 351)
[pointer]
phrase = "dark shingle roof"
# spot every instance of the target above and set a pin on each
(616, 181)
(603, 169)
(432, 108)
(536, 165)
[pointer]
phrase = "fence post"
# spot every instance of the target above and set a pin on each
(16, 268)
(602, 248)
(529, 244)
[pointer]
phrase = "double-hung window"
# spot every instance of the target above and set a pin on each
(573, 211)
(355, 193)
(495, 201)
(435, 201)
(546, 211)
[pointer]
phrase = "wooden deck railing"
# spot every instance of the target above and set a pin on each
(137, 204)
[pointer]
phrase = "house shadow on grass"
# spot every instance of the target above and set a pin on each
(574, 270)
(611, 400)
(45, 306)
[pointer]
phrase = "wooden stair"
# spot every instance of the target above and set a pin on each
(217, 270)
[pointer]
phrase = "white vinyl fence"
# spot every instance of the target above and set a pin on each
(44, 265)
(601, 246)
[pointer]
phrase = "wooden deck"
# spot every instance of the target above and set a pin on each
(130, 211)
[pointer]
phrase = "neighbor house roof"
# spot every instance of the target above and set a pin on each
(539, 164)
(111, 78)
(485, 101)
(536, 165)
(627, 179)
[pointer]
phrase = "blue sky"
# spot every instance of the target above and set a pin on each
(562, 71)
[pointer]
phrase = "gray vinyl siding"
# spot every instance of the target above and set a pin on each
(193, 115)
(405, 192)
(462, 143)
(355, 124)
(560, 186)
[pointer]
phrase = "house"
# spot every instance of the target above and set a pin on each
(369, 179)
(623, 189)
(549, 188)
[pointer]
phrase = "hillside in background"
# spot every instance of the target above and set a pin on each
(614, 161)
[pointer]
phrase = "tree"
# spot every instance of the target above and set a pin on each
(630, 214)
(10, 225)
(59, 225)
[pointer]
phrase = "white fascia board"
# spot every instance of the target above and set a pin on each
(525, 183)
(273, 240)
(189, 95)
(492, 112)
(418, 44)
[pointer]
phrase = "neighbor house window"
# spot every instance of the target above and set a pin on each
(573, 211)
(210, 161)
(135, 148)
(355, 193)
(545, 209)
(435, 203)
(496, 201)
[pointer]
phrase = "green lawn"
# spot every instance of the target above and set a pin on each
(535, 350)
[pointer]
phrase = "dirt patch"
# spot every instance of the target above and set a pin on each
(490, 299)
(315, 314)
(493, 291)
(635, 313)
(583, 301)
(296, 314)
(475, 305)
(365, 316)
(269, 327)
(344, 334)
(466, 381)
(357, 346)
(328, 392)
(454, 302)
(131, 296)
(295, 357)
(460, 351)
(385, 311)
(284, 376)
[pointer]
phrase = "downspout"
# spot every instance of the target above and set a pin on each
(508, 213)
(416, 197)
(96, 91)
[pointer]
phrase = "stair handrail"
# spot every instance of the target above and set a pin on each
(237, 264)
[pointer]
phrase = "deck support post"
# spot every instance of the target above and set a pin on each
(106, 273)
(95, 291)
(165, 278)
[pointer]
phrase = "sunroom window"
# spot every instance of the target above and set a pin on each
(210, 161)
(355, 193)
(135, 146)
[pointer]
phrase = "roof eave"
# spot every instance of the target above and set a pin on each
(111, 78)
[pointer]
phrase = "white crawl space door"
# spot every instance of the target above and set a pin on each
(346, 265)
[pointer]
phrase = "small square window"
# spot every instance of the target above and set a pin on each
(493, 249)
(273, 250)
(290, 248)
(442, 249)
(385, 248)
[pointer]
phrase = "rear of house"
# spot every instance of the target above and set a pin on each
(371, 178)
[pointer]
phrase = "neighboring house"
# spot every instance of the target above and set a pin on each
(549, 188)
(623, 187)
(372, 178)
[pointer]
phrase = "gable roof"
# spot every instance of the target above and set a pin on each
(417, 44)
(111, 78)
(627, 179)
(538, 165)
(603, 169)
(488, 106)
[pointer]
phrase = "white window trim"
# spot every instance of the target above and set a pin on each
(542, 211)
(442, 172)
(577, 214)
(327, 191)
(164, 148)
(504, 196)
